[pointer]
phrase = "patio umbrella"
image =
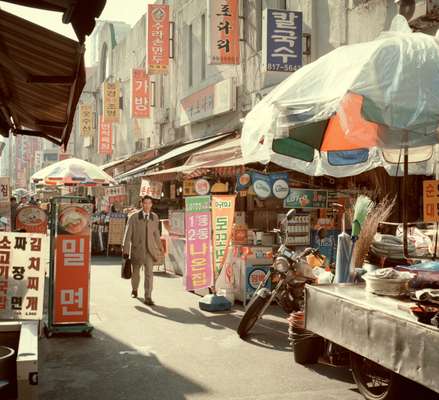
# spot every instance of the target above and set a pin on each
(72, 171)
(359, 106)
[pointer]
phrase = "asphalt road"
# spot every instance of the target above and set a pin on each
(175, 351)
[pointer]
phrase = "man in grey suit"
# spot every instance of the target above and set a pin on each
(142, 242)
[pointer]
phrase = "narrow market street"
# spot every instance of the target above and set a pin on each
(175, 351)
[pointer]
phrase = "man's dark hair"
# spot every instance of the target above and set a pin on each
(13, 198)
(146, 197)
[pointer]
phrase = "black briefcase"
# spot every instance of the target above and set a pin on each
(126, 269)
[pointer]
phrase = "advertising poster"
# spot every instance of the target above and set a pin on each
(72, 264)
(224, 31)
(105, 137)
(86, 120)
(116, 228)
(306, 198)
(140, 106)
(158, 39)
(151, 188)
(22, 272)
(282, 40)
(5, 204)
(111, 101)
(31, 219)
(199, 272)
(223, 212)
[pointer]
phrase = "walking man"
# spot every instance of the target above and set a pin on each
(142, 241)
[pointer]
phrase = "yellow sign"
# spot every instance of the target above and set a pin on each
(189, 188)
(86, 120)
(111, 101)
(431, 201)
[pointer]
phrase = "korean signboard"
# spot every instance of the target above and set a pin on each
(111, 94)
(86, 120)
(116, 194)
(282, 40)
(158, 39)
(224, 31)
(31, 219)
(105, 137)
(116, 228)
(72, 264)
(223, 212)
(151, 188)
(431, 201)
(199, 273)
(5, 204)
(139, 94)
(306, 198)
(22, 270)
(212, 100)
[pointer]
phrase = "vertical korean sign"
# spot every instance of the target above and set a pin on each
(282, 40)
(22, 271)
(199, 271)
(139, 94)
(431, 201)
(223, 211)
(5, 204)
(86, 120)
(105, 137)
(111, 94)
(72, 264)
(224, 31)
(158, 39)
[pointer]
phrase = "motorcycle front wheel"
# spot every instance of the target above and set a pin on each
(251, 315)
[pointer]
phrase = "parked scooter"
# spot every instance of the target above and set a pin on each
(291, 274)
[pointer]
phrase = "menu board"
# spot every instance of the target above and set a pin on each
(116, 229)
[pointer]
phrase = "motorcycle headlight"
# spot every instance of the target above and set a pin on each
(281, 264)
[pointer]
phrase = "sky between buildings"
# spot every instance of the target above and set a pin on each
(129, 11)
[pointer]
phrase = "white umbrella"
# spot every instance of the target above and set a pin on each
(72, 171)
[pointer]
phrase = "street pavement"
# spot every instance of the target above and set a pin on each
(175, 351)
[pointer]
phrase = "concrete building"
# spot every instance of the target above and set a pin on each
(327, 24)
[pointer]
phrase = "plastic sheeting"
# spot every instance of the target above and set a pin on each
(397, 76)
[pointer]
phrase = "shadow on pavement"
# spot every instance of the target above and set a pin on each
(339, 373)
(101, 367)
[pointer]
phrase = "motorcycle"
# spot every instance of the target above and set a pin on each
(291, 272)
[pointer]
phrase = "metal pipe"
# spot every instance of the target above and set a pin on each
(405, 201)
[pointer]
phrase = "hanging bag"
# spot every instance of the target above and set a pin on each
(126, 268)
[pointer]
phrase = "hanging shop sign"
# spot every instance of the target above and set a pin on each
(282, 40)
(223, 31)
(31, 219)
(140, 106)
(86, 120)
(306, 198)
(199, 271)
(158, 39)
(213, 100)
(116, 194)
(431, 200)
(111, 94)
(202, 187)
(243, 181)
(72, 264)
(5, 204)
(279, 185)
(189, 188)
(151, 188)
(22, 271)
(223, 212)
(105, 137)
(261, 185)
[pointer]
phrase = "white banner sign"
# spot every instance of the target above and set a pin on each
(22, 266)
(151, 188)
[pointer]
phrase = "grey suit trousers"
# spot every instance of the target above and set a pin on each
(149, 276)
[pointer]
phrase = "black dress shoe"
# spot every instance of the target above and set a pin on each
(134, 294)
(149, 302)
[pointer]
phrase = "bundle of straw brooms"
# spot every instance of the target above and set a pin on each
(379, 212)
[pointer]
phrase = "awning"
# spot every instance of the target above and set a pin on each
(174, 153)
(80, 13)
(224, 158)
(112, 164)
(42, 75)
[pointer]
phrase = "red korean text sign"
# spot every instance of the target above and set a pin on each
(431, 201)
(151, 188)
(105, 137)
(199, 269)
(140, 106)
(224, 31)
(158, 39)
(72, 279)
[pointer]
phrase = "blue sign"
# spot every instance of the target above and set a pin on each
(283, 40)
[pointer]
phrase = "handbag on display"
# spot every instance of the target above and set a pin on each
(126, 268)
